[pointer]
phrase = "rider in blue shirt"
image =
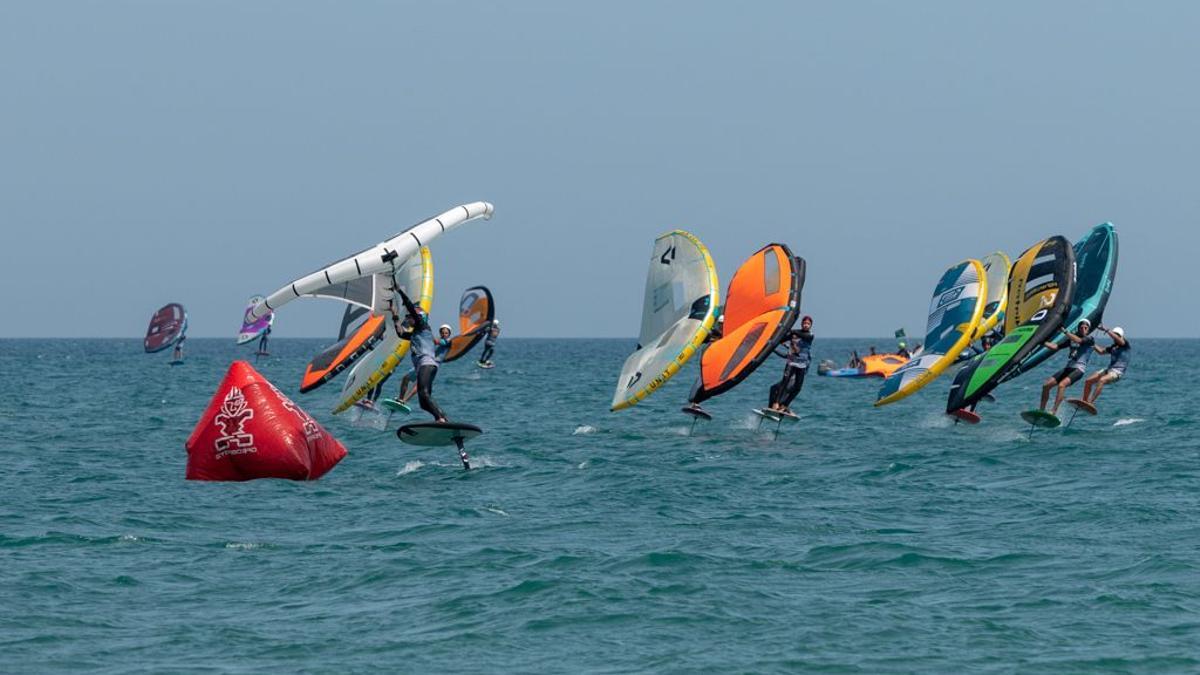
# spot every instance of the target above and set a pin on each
(796, 349)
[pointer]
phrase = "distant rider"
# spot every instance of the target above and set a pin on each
(262, 341)
(854, 361)
(423, 349)
(796, 348)
(177, 355)
(489, 343)
(1119, 352)
(1077, 358)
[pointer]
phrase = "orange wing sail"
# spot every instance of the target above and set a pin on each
(476, 310)
(760, 308)
(326, 365)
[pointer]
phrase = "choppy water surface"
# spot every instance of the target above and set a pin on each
(860, 540)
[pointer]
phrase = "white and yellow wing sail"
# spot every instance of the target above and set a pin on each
(995, 266)
(678, 312)
(415, 277)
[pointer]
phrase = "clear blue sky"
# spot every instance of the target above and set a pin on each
(201, 152)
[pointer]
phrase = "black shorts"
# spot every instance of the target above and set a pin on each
(1072, 375)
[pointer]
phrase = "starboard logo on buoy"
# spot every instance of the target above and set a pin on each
(312, 430)
(232, 421)
(250, 430)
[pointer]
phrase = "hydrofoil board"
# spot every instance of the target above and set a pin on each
(1041, 419)
(1083, 405)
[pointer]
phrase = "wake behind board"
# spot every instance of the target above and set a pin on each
(842, 372)
(1041, 419)
(964, 415)
(1083, 405)
(696, 412)
(395, 405)
(437, 433)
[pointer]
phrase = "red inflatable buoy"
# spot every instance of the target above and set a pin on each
(251, 430)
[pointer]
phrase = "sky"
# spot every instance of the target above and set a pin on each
(206, 151)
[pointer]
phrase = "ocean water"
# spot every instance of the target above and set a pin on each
(859, 540)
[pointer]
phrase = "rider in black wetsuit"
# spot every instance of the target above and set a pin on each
(796, 348)
(489, 342)
(423, 351)
(262, 341)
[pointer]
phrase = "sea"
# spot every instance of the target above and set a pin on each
(856, 540)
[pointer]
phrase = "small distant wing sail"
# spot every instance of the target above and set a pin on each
(954, 314)
(476, 309)
(995, 266)
(336, 280)
(760, 308)
(1095, 270)
(415, 277)
(355, 339)
(167, 326)
(1041, 285)
(252, 328)
(678, 312)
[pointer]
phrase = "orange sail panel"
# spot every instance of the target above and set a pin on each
(760, 308)
(326, 365)
(476, 310)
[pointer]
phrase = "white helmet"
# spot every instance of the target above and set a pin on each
(1083, 321)
(445, 326)
(1119, 332)
(496, 323)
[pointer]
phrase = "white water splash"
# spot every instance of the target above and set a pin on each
(129, 538)
(750, 421)
(1126, 421)
(242, 546)
(496, 511)
(582, 465)
(1008, 434)
(936, 421)
(583, 429)
(410, 467)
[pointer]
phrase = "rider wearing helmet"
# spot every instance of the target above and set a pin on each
(1081, 344)
(1119, 352)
